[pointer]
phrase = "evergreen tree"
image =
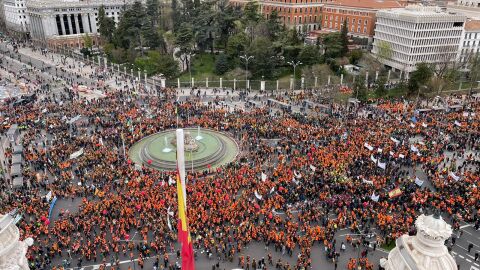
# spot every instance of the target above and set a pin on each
(360, 89)
(153, 12)
(221, 64)
(344, 38)
(106, 25)
(380, 89)
(273, 25)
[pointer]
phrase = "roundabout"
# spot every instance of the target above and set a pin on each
(204, 149)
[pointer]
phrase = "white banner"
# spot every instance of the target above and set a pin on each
(368, 146)
(76, 154)
(367, 181)
(373, 159)
(382, 165)
(418, 182)
(264, 177)
(258, 195)
(458, 123)
(375, 197)
(413, 148)
(454, 176)
(395, 140)
(313, 167)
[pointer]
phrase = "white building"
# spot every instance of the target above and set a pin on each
(12, 250)
(64, 22)
(470, 43)
(417, 34)
(469, 3)
(16, 16)
(426, 250)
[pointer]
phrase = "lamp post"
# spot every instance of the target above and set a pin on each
(246, 58)
(294, 64)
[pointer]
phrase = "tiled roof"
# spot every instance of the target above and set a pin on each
(373, 4)
(472, 25)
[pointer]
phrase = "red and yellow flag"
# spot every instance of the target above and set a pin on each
(188, 260)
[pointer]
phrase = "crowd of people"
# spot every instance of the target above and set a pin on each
(324, 172)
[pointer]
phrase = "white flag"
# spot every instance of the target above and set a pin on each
(297, 175)
(168, 218)
(368, 146)
(313, 167)
(382, 165)
(373, 159)
(295, 181)
(401, 156)
(48, 196)
(100, 141)
(375, 197)
(272, 190)
(367, 181)
(264, 177)
(418, 181)
(395, 140)
(412, 125)
(413, 148)
(458, 123)
(170, 180)
(424, 125)
(379, 150)
(455, 177)
(258, 195)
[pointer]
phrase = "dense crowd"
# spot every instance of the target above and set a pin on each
(320, 178)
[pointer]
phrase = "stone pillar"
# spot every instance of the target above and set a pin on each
(86, 28)
(376, 76)
(162, 83)
(316, 80)
(193, 82)
(278, 84)
(262, 84)
(247, 84)
(388, 76)
(131, 72)
(328, 82)
(62, 25)
(99, 63)
(118, 68)
(291, 83)
(178, 83)
(221, 83)
(302, 83)
(206, 82)
(125, 70)
(69, 19)
(460, 86)
(145, 78)
(234, 84)
(77, 25)
(341, 79)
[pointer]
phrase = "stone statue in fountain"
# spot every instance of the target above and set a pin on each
(190, 143)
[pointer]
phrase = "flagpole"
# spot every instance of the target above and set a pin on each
(181, 162)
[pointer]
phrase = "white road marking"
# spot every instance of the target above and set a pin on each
(461, 256)
(468, 260)
(466, 226)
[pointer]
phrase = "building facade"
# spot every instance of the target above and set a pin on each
(64, 23)
(469, 3)
(425, 250)
(417, 34)
(16, 17)
(12, 251)
(360, 16)
(470, 43)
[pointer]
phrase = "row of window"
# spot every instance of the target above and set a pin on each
(352, 28)
(343, 11)
(285, 9)
(365, 22)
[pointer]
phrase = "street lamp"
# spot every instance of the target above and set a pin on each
(294, 64)
(246, 58)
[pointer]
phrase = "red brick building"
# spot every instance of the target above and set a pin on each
(310, 15)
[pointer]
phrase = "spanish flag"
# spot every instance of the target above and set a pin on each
(188, 260)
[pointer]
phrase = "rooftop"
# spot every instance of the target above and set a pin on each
(472, 25)
(371, 4)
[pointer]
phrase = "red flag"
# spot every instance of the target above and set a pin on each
(188, 260)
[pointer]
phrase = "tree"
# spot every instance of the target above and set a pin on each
(380, 89)
(384, 50)
(150, 35)
(360, 88)
(355, 56)
(420, 77)
(106, 25)
(155, 63)
(87, 41)
(184, 41)
(309, 55)
(152, 12)
(221, 64)
(225, 20)
(273, 25)
(263, 62)
(344, 38)
(130, 25)
(332, 45)
(236, 45)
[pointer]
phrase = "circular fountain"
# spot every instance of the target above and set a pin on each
(208, 149)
